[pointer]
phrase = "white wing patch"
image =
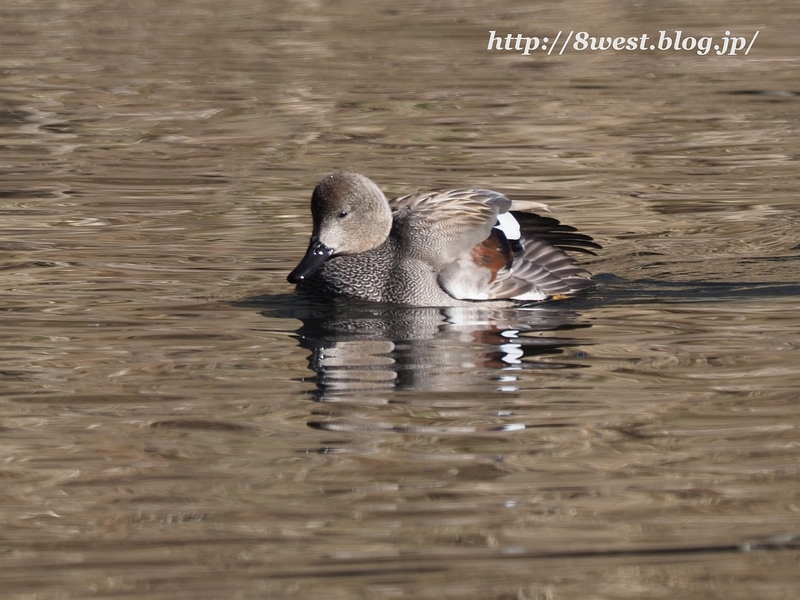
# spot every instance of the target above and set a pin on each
(508, 225)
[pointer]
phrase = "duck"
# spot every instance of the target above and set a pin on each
(439, 248)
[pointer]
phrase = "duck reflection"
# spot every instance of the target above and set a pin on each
(366, 348)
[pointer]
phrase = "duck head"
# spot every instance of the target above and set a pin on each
(350, 214)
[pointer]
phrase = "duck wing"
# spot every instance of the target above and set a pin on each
(482, 248)
(539, 271)
(440, 227)
(553, 231)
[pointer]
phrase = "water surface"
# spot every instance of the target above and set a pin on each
(176, 423)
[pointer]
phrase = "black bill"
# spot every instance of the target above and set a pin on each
(316, 254)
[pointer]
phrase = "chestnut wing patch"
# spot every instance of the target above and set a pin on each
(493, 253)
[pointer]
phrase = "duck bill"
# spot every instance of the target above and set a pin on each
(316, 254)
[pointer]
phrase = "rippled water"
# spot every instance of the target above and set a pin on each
(175, 423)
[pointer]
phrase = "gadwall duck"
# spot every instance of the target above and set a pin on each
(435, 248)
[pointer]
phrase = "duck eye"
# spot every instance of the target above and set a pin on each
(343, 214)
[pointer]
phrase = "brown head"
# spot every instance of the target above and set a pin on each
(351, 215)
